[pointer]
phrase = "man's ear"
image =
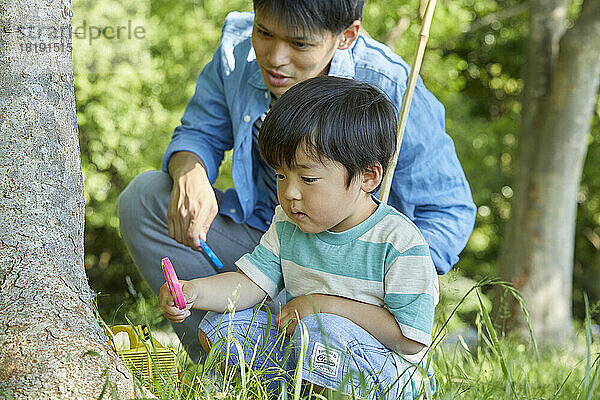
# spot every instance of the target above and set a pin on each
(372, 177)
(349, 35)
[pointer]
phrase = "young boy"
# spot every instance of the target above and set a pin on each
(355, 271)
(260, 56)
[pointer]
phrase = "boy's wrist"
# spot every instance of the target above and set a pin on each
(195, 294)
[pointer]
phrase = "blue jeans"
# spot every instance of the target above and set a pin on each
(142, 210)
(340, 354)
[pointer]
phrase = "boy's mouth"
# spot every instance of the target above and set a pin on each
(296, 214)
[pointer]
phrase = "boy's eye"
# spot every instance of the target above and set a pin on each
(301, 45)
(309, 180)
(279, 176)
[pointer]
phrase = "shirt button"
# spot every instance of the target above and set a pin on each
(232, 210)
(247, 118)
(267, 95)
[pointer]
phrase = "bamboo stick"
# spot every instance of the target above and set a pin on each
(407, 99)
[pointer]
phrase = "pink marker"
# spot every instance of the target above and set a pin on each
(173, 283)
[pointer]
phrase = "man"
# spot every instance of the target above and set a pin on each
(261, 56)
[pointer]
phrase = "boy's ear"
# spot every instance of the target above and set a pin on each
(372, 177)
(349, 35)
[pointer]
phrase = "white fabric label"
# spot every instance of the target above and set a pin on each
(326, 361)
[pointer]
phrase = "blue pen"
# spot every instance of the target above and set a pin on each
(213, 257)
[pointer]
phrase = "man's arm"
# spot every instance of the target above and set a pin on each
(194, 155)
(376, 320)
(429, 184)
(192, 205)
(206, 128)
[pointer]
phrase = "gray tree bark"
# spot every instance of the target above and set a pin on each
(51, 346)
(561, 79)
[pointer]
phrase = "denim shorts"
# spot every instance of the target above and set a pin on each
(340, 355)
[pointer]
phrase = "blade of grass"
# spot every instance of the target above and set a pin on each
(104, 387)
(254, 352)
(589, 387)
(590, 393)
(496, 343)
(303, 350)
(515, 293)
(588, 336)
(426, 383)
(242, 365)
(565, 381)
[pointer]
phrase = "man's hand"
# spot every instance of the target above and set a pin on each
(192, 205)
(304, 306)
(167, 303)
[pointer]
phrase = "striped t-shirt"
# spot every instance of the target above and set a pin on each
(383, 261)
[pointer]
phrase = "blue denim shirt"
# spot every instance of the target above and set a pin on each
(429, 185)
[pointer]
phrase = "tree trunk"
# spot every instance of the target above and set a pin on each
(561, 84)
(51, 346)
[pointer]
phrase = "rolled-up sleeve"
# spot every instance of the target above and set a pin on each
(429, 184)
(206, 128)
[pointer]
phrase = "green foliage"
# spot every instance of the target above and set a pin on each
(126, 118)
(473, 65)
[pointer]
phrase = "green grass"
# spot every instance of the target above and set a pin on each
(554, 374)
(498, 367)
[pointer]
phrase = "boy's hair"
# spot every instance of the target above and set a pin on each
(313, 15)
(334, 119)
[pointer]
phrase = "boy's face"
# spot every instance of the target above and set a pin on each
(315, 196)
(285, 59)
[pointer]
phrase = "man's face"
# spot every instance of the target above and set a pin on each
(286, 59)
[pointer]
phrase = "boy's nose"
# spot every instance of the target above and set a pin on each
(291, 192)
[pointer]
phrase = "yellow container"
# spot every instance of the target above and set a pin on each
(146, 356)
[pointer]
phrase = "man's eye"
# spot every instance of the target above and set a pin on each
(263, 33)
(279, 176)
(309, 180)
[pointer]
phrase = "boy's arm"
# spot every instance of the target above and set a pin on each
(213, 293)
(376, 320)
(258, 276)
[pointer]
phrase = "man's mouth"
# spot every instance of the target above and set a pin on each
(277, 79)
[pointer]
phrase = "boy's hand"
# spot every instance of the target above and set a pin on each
(167, 303)
(304, 306)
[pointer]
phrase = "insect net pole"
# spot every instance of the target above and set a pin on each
(407, 99)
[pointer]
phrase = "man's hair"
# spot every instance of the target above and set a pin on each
(332, 118)
(313, 15)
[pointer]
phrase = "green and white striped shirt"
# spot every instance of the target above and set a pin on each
(382, 261)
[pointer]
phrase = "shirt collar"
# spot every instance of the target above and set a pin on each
(257, 80)
(339, 238)
(342, 64)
